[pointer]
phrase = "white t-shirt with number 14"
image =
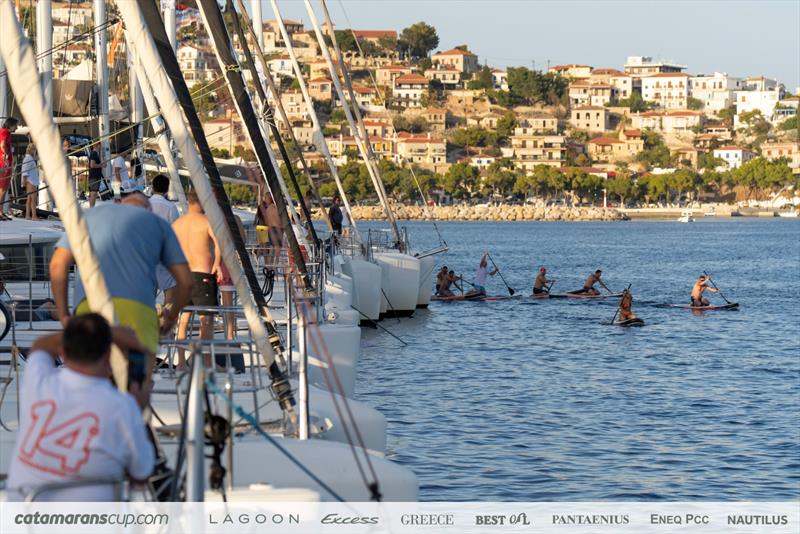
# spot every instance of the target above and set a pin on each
(73, 427)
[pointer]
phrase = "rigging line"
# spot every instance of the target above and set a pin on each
(322, 348)
(268, 112)
(382, 97)
(257, 427)
(267, 75)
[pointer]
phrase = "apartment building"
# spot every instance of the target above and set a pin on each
(670, 90)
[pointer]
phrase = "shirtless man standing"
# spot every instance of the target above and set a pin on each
(203, 255)
(701, 285)
(441, 277)
(269, 215)
(625, 313)
(588, 285)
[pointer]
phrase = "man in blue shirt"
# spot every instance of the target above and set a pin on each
(130, 241)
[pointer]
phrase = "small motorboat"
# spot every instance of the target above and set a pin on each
(686, 216)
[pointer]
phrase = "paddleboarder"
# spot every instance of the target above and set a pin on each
(588, 285)
(540, 285)
(441, 278)
(480, 278)
(625, 313)
(698, 301)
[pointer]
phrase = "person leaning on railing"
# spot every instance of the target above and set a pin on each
(74, 424)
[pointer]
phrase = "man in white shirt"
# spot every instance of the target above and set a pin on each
(74, 424)
(480, 279)
(169, 212)
(158, 201)
(121, 175)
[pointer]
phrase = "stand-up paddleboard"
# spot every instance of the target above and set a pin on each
(582, 296)
(629, 322)
(729, 306)
(539, 296)
(458, 298)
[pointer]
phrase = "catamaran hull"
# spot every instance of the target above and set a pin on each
(400, 276)
(256, 461)
(366, 288)
(426, 267)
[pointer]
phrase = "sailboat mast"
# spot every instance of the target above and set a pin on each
(136, 112)
(319, 138)
(258, 21)
(267, 75)
(44, 44)
(168, 8)
(360, 142)
(101, 66)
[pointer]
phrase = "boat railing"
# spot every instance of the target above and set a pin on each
(117, 484)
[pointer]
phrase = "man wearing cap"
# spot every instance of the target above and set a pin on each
(540, 286)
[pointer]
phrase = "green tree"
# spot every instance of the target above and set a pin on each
(418, 40)
(482, 80)
(694, 103)
(621, 186)
(789, 124)
(403, 123)
(683, 181)
(757, 125)
(387, 43)
(346, 40)
(473, 136)
(461, 180)
(636, 103)
(505, 126)
(535, 87)
(727, 114)
(763, 174)
(500, 97)
(499, 180)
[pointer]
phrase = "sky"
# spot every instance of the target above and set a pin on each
(740, 37)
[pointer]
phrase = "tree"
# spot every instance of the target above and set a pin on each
(473, 136)
(346, 40)
(534, 87)
(387, 43)
(789, 124)
(655, 153)
(499, 179)
(683, 181)
(636, 103)
(694, 103)
(418, 39)
(416, 124)
(461, 180)
(727, 114)
(757, 125)
(482, 80)
(621, 186)
(761, 173)
(500, 97)
(505, 126)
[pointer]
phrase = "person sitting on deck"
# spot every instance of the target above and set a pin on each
(540, 285)
(698, 301)
(625, 313)
(74, 424)
(479, 288)
(588, 285)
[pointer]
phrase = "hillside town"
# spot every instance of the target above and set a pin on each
(643, 130)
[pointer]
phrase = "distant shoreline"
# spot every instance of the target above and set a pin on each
(553, 213)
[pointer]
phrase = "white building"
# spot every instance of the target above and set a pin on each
(734, 156)
(760, 83)
(409, 89)
(448, 77)
(667, 89)
(282, 66)
(668, 121)
(789, 150)
(644, 66)
(763, 101)
(716, 91)
(197, 64)
(500, 79)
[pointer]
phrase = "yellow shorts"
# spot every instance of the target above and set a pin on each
(140, 317)
(262, 234)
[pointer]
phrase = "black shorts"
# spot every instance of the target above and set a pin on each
(538, 291)
(94, 184)
(204, 291)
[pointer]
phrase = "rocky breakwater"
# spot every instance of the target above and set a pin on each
(491, 213)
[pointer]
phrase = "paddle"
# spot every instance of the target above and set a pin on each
(708, 277)
(510, 291)
(620, 304)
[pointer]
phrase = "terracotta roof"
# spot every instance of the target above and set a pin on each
(395, 67)
(589, 108)
(360, 89)
(418, 139)
(320, 80)
(442, 70)
(588, 170)
(570, 66)
(435, 110)
(584, 83)
(454, 52)
(498, 71)
(632, 132)
(605, 141)
(605, 71)
(411, 79)
(669, 75)
(732, 147)
(375, 34)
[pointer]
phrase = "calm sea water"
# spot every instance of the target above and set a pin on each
(514, 400)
